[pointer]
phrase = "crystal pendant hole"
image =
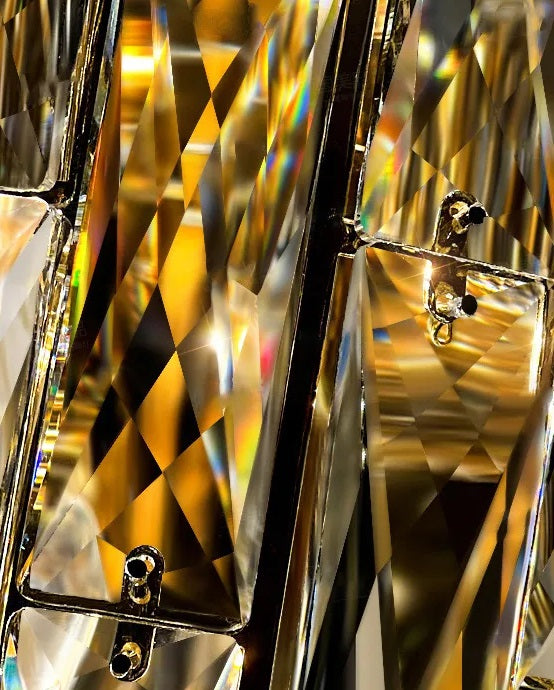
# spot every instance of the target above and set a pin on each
(127, 661)
(121, 665)
(137, 569)
(469, 305)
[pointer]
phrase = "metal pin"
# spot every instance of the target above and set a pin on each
(441, 333)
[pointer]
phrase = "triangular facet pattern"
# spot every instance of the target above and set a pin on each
(476, 117)
(50, 649)
(424, 550)
(183, 285)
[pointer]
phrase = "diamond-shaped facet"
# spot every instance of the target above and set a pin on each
(184, 292)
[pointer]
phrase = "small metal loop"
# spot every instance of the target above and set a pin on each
(445, 338)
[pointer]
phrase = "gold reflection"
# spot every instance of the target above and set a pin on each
(456, 455)
(183, 287)
(467, 109)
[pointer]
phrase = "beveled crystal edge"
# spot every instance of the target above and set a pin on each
(83, 96)
(288, 664)
(42, 377)
(390, 23)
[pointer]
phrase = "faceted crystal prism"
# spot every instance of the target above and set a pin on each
(457, 451)
(470, 106)
(43, 45)
(536, 668)
(44, 650)
(185, 288)
(428, 537)
(309, 629)
(29, 233)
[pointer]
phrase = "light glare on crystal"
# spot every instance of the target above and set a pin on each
(48, 649)
(469, 107)
(183, 301)
(25, 234)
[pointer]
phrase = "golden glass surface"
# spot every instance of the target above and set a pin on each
(46, 53)
(458, 446)
(433, 462)
(148, 411)
(185, 286)
(469, 107)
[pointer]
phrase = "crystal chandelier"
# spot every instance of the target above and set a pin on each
(276, 344)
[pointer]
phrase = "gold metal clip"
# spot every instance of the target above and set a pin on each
(444, 290)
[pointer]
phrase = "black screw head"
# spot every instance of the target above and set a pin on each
(469, 305)
(476, 214)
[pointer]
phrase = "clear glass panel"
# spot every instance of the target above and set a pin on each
(25, 234)
(52, 649)
(185, 289)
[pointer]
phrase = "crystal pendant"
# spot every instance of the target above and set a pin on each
(469, 107)
(425, 549)
(35, 245)
(457, 454)
(51, 649)
(440, 495)
(48, 54)
(185, 292)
